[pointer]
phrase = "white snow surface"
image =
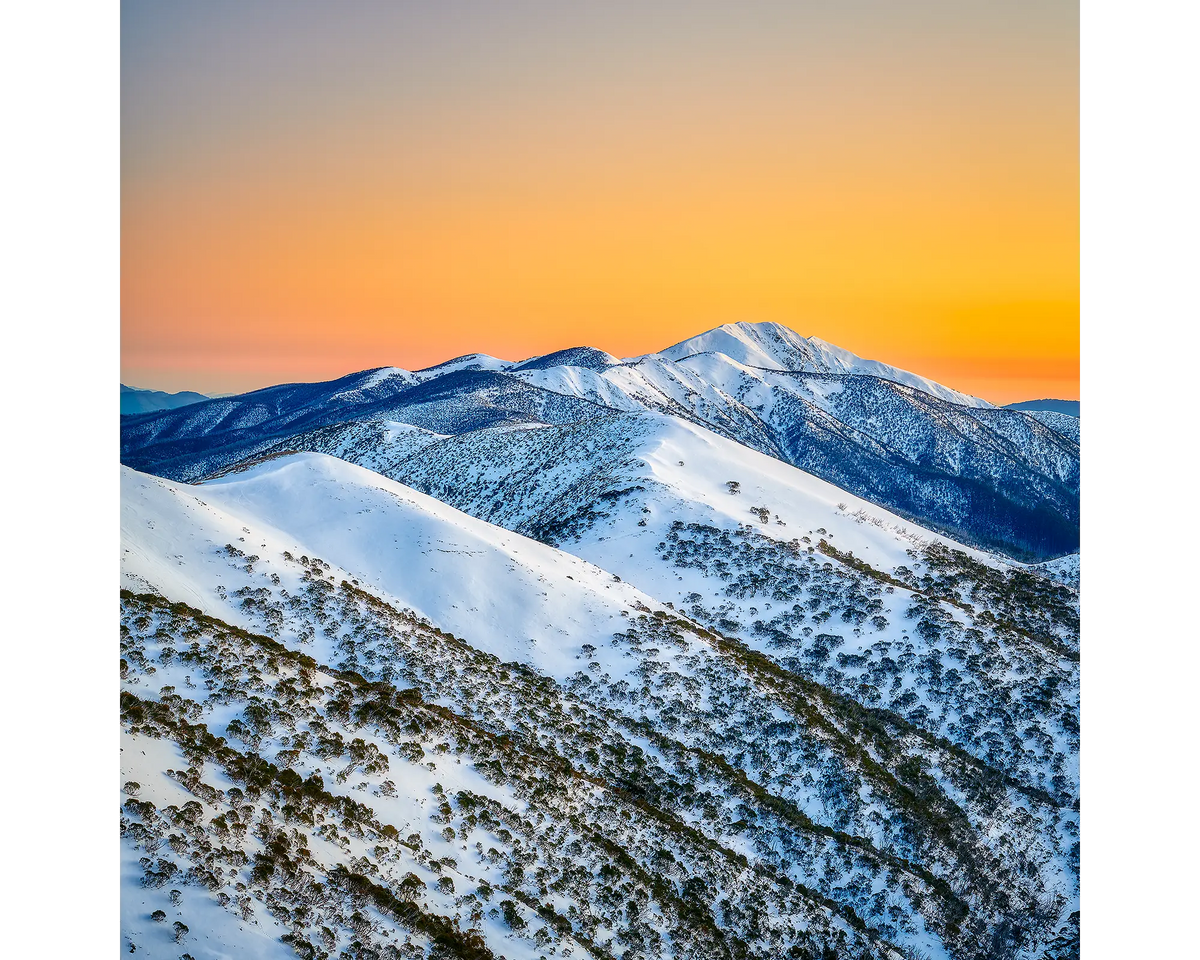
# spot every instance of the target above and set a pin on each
(514, 597)
(1065, 569)
(387, 373)
(511, 596)
(773, 346)
(472, 361)
(695, 464)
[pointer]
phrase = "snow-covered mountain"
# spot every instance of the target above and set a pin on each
(775, 347)
(748, 714)
(1000, 478)
(663, 503)
(1003, 479)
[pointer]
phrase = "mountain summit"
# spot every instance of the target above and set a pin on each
(772, 346)
(1000, 479)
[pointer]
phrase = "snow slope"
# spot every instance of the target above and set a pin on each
(688, 754)
(695, 519)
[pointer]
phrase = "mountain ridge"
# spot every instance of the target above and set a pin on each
(135, 400)
(1002, 479)
(771, 345)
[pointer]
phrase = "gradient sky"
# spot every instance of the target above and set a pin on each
(309, 189)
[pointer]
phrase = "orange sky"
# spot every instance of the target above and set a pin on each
(303, 197)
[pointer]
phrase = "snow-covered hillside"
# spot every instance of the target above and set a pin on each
(1001, 479)
(360, 721)
(742, 542)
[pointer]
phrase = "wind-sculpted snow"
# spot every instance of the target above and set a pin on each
(358, 721)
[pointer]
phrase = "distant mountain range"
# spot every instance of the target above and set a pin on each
(137, 400)
(999, 478)
(1069, 407)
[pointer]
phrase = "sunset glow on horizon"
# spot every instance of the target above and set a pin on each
(313, 189)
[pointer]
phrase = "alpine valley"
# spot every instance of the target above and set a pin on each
(747, 648)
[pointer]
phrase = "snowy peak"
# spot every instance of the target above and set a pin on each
(365, 384)
(772, 346)
(588, 358)
(768, 345)
(471, 361)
